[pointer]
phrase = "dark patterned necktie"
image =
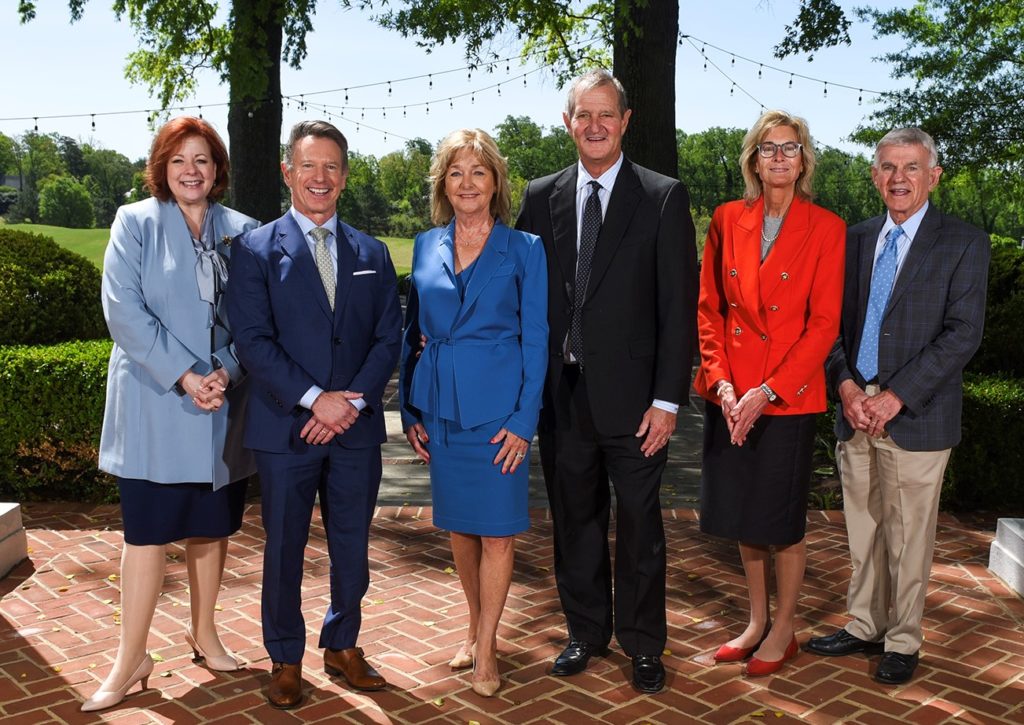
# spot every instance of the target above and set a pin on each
(588, 240)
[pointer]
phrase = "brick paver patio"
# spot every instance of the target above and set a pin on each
(58, 633)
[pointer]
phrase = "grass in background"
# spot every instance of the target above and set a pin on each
(91, 243)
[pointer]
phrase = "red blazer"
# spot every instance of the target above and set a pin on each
(775, 322)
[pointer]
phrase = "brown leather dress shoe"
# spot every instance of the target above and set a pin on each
(351, 665)
(285, 691)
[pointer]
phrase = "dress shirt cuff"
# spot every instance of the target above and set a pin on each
(358, 403)
(672, 408)
(307, 400)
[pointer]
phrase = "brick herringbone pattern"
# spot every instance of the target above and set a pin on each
(58, 634)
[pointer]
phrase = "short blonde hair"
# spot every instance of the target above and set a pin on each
(481, 144)
(748, 154)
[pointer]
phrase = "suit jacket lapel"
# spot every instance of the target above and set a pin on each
(292, 242)
(865, 263)
(920, 248)
(793, 238)
(563, 225)
(348, 253)
(621, 205)
(746, 254)
(491, 257)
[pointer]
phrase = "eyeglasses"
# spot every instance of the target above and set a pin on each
(789, 149)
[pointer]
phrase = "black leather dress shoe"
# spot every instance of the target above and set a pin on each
(896, 668)
(841, 642)
(575, 656)
(648, 673)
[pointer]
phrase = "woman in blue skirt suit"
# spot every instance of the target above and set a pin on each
(472, 373)
(175, 394)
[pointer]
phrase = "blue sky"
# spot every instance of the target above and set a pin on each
(78, 69)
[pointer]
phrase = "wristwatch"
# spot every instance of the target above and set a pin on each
(769, 392)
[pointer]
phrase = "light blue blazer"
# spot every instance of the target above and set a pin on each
(486, 356)
(160, 329)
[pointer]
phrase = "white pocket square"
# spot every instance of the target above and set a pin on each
(364, 271)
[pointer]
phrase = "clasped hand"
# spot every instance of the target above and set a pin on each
(868, 413)
(741, 415)
(206, 391)
(333, 413)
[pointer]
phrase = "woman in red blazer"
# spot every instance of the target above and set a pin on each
(770, 299)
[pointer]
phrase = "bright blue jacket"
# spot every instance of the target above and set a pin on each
(486, 356)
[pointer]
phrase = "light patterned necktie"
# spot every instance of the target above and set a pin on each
(323, 262)
(878, 298)
(589, 232)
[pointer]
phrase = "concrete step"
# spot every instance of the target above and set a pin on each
(1006, 556)
(13, 544)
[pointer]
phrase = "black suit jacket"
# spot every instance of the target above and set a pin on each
(639, 316)
(932, 326)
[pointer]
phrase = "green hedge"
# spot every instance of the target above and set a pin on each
(1002, 345)
(51, 400)
(986, 471)
(48, 294)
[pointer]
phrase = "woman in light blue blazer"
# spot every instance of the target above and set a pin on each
(471, 397)
(175, 394)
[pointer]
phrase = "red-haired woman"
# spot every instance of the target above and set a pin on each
(175, 394)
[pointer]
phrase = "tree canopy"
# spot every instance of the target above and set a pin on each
(966, 61)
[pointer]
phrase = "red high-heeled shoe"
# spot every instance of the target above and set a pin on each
(760, 668)
(726, 653)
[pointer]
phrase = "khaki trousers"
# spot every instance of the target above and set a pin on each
(891, 501)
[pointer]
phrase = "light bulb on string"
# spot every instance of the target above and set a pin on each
(472, 99)
(302, 102)
(860, 96)
(403, 112)
(428, 108)
(384, 112)
(790, 80)
(389, 88)
(36, 121)
(451, 103)
(249, 114)
(94, 122)
(430, 77)
(346, 96)
(825, 93)
(732, 88)
(499, 89)
(524, 81)
(733, 63)
(200, 111)
(759, 68)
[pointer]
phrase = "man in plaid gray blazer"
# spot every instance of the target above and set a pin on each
(913, 310)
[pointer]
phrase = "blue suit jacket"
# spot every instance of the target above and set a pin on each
(486, 356)
(288, 338)
(931, 328)
(160, 329)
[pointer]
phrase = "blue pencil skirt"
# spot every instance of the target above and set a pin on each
(470, 494)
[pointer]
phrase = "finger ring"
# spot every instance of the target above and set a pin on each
(519, 455)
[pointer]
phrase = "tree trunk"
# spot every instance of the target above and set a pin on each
(254, 118)
(644, 52)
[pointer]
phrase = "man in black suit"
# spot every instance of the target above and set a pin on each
(913, 310)
(622, 298)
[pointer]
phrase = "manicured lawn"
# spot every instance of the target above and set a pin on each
(90, 243)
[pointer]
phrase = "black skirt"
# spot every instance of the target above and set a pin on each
(757, 493)
(159, 513)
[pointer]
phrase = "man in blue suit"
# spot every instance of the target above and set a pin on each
(314, 306)
(913, 311)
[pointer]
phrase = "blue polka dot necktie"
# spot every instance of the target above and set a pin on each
(589, 231)
(878, 299)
